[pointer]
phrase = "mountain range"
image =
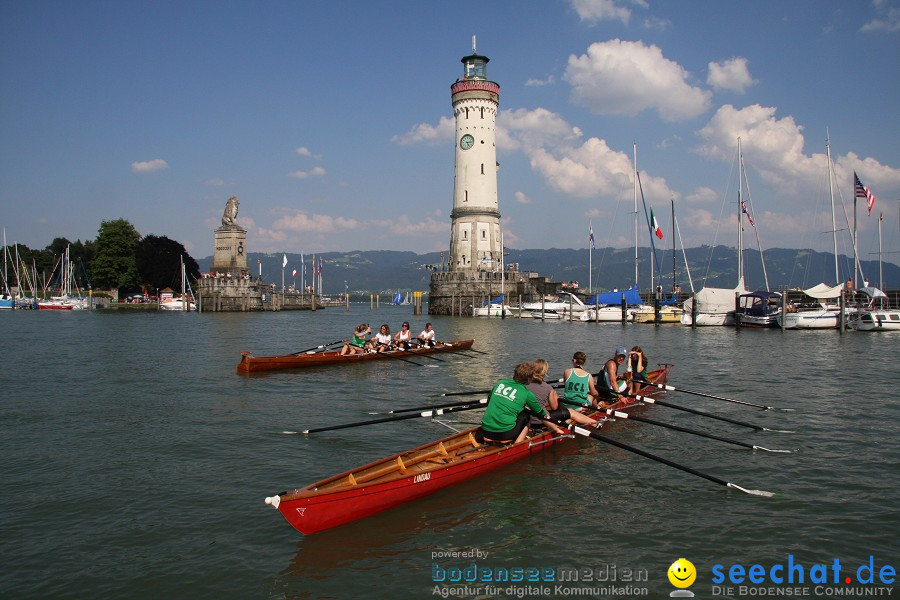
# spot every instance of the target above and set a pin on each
(386, 271)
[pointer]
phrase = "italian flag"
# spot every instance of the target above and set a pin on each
(657, 230)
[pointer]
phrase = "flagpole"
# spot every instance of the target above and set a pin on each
(855, 248)
(591, 257)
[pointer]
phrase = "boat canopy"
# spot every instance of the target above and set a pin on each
(824, 292)
(873, 292)
(497, 300)
(671, 301)
(714, 300)
(632, 297)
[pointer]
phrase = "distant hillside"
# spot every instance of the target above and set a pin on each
(383, 271)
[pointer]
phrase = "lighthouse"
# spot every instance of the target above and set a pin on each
(475, 269)
(475, 240)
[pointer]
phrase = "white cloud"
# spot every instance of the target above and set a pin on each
(731, 75)
(887, 21)
(774, 148)
(521, 128)
(594, 11)
(303, 151)
(314, 172)
(425, 132)
(625, 78)
(149, 166)
(702, 195)
(522, 198)
(540, 82)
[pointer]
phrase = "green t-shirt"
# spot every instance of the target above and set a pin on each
(506, 401)
(358, 341)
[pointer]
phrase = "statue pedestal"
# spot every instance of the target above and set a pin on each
(230, 254)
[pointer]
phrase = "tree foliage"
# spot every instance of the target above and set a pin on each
(159, 263)
(114, 264)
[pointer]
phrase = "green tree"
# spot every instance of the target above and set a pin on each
(114, 264)
(159, 262)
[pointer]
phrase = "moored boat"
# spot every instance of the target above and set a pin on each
(759, 309)
(252, 364)
(410, 475)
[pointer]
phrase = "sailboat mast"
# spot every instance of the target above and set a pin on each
(635, 220)
(837, 275)
(672, 200)
(740, 219)
(880, 271)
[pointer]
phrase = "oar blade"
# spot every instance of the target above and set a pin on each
(762, 493)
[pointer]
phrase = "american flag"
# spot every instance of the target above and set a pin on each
(747, 212)
(861, 191)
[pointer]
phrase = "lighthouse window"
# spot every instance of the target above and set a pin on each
(482, 113)
(482, 168)
(483, 234)
(465, 234)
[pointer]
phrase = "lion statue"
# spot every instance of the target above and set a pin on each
(229, 217)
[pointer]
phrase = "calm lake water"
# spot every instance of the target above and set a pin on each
(135, 460)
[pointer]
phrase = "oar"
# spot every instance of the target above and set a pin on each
(322, 347)
(469, 393)
(403, 410)
(428, 413)
(669, 388)
(624, 415)
(647, 400)
(597, 436)
(422, 354)
(392, 355)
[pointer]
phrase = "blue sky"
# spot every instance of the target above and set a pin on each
(331, 121)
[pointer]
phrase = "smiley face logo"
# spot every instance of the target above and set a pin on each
(682, 573)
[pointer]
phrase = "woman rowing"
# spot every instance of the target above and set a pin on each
(357, 343)
(549, 399)
(382, 340)
(636, 369)
(611, 388)
(426, 338)
(506, 419)
(403, 337)
(578, 384)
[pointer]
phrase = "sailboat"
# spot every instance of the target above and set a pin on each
(69, 297)
(877, 315)
(607, 306)
(668, 312)
(184, 302)
(716, 306)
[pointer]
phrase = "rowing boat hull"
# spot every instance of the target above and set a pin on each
(408, 476)
(253, 364)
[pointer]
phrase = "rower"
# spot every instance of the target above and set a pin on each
(579, 389)
(357, 343)
(382, 340)
(427, 337)
(548, 398)
(403, 337)
(506, 419)
(610, 387)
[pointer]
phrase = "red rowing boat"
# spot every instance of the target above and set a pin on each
(391, 481)
(252, 364)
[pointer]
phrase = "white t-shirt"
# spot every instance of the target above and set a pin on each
(427, 335)
(383, 338)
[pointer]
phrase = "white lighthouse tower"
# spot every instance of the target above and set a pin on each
(475, 240)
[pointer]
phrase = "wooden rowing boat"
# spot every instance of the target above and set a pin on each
(252, 364)
(397, 479)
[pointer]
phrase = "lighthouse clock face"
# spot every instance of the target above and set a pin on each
(466, 142)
